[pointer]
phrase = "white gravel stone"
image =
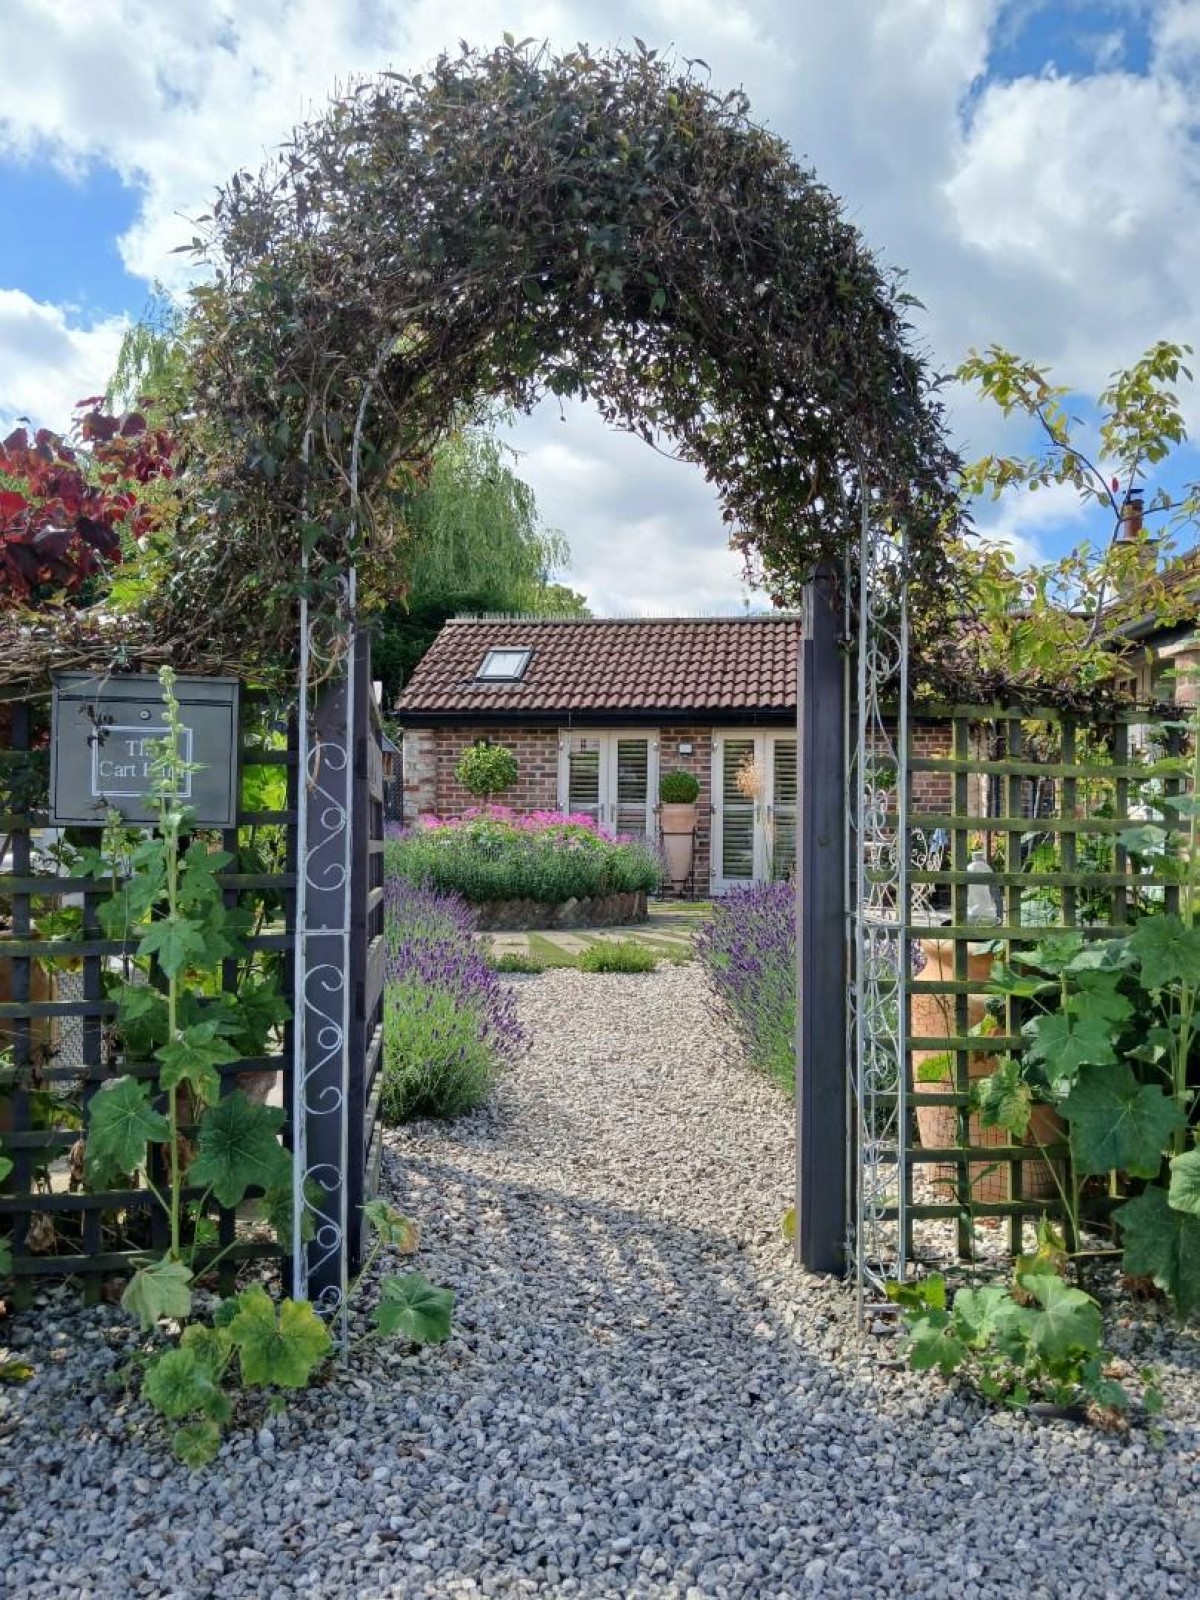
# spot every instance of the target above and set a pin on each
(643, 1397)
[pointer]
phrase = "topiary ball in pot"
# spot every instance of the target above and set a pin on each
(678, 788)
(486, 769)
(677, 792)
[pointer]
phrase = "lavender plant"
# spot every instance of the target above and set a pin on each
(449, 1021)
(747, 947)
(494, 854)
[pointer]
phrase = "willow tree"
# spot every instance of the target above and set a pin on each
(516, 223)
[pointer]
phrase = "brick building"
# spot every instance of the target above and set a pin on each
(596, 710)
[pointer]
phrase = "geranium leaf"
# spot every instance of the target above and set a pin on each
(1005, 1100)
(121, 1123)
(1184, 1192)
(1119, 1124)
(177, 1383)
(175, 941)
(193, 1058)
(1066, 1322)
(393, 1226)
(933, 1342)
(412, 1307)
(283, 1349)
(1066, 1043)
(1168, 952)
(14, 1369)
(197, 1443)
(160, 1290)
(237, 1147)
(1163, 1244)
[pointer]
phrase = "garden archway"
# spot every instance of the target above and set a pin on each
(517, 223)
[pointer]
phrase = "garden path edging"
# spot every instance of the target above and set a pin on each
(598, 911)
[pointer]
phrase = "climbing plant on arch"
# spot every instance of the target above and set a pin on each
(516, 223)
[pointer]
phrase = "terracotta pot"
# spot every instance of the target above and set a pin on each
(678, 823)
(937, 1126)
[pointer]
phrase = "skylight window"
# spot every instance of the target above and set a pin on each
(503, 666)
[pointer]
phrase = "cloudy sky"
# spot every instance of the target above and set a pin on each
(1033, 165)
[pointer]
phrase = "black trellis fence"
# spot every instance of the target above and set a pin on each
(57, 1043)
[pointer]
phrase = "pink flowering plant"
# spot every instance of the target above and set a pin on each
(494, 853)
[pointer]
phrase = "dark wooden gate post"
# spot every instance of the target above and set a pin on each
(821, 931)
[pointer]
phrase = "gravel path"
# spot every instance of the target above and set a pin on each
(643, 1398)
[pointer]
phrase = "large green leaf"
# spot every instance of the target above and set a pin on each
(934, 1342)
(237, 1148)
(1163, 1244)
(1184, 1192)
(1065, 1044)
(141, 1019)
(412, 1307)
(1100, 997)
(176, 941)
(193, 1058)
(160, 1290)
(198, 885)
(1119, 1124)
(1168, 952)
(283, 1350)
(6, 1167)
(177, 1383)
(121, 1123)
(5, 1253)
(1065, 1323)
(1005, 1100)
(976, 1312)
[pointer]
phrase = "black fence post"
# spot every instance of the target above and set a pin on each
(821, 928)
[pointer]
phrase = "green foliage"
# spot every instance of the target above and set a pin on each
(162, 1289)
(492, 858)
(238, 1149)
(1052, 628)
(514, 961)
(281, 1348)
(121, 1123)
(1118, 1124)
(678, 788)
(549, 254)
(1162, 1242)
(436, 1061)
(413, 1308)
(1112, 1045)
(617, 955)
(486, 769)
(1040, 1341)
(6, 1167)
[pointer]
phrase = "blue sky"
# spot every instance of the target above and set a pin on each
(1033, 164)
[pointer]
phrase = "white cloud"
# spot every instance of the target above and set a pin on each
(48, 362)
(1050, 214)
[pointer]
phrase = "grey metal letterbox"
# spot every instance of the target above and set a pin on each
(101, 747)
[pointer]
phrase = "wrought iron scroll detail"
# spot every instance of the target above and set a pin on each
(323, 997)
(877, 871)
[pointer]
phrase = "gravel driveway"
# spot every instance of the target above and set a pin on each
(642, 1398)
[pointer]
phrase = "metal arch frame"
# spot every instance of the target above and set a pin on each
(878, 902)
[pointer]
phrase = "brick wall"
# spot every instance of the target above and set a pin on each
(699, 764)
(431, 755)
(419, 755)
(536, 750)
(932, 791)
